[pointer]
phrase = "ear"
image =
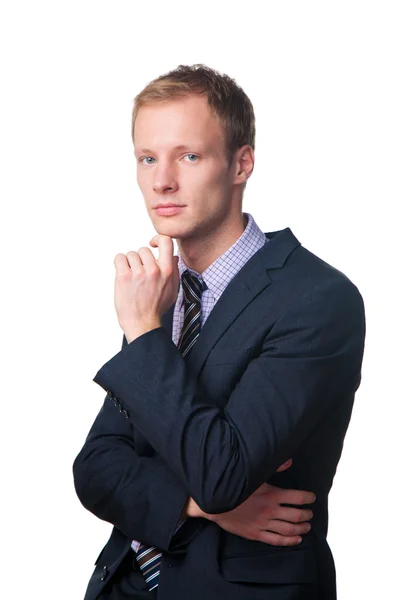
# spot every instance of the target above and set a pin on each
(244, 164)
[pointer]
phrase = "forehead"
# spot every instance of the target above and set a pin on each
(177, 122)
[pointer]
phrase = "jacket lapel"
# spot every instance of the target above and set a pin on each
(252, 279)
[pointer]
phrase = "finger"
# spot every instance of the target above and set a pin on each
(154, 241)
(166, 254)
(293, 515)
(278, 540)
(134, 260)
(288, 529)
(148, 260)
(285, 466)
(296, 497)
(121, 264)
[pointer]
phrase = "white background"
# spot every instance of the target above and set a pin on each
(324, 81)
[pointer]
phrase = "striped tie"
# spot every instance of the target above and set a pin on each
(192, 290)
(149, 560)
(149, 557)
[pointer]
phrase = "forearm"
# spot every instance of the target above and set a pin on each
(140, 495)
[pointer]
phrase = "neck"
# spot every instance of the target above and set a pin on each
(198, 254)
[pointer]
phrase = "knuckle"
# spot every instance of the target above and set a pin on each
(279, 541)
(293, 497)
(297, 517)
(286, 541)
(280, 527)
(303, 498)
(274, 539)
(297, 498)
(291, 530)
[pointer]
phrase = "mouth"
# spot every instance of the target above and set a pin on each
(168, 209)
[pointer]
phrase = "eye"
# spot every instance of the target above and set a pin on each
(144, 158)
(192, 156)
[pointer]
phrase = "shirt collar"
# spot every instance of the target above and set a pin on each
(220, 274)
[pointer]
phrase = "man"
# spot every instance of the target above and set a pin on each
(227, 406)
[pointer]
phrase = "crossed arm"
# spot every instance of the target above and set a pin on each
(307, 365)
(143, 498)
(203, 453)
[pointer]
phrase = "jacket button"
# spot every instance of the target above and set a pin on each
(104, 574)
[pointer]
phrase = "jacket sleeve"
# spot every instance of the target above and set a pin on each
(140, 495)
(309, 360)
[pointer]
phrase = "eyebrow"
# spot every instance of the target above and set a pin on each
(180, 147)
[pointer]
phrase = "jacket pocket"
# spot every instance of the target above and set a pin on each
(286, 566)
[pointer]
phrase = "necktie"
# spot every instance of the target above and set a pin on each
(149, 557)
(192, 289)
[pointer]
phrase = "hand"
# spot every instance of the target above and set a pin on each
(262, 518)
(145, 288)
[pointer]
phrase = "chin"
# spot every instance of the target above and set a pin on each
(173, 230)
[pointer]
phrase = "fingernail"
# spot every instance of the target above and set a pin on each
(299, 541)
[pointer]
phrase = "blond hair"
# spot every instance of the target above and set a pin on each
(226, 99)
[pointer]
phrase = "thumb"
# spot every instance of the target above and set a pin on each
(285, 466)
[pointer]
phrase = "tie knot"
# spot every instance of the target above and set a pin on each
(192, 287)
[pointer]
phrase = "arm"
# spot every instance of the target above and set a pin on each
(140, 495)
(310, 358)
(129, 491)
(117, 485)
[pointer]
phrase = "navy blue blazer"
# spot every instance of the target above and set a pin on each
(272, 376)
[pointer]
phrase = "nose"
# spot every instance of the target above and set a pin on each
(164, 179)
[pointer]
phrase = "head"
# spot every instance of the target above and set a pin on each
(193, 130)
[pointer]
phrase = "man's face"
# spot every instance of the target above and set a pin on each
(180, 152)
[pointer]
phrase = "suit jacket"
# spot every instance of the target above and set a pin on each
(272, 376)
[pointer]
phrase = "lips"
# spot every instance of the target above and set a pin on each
(168, 209)
(168, 205)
